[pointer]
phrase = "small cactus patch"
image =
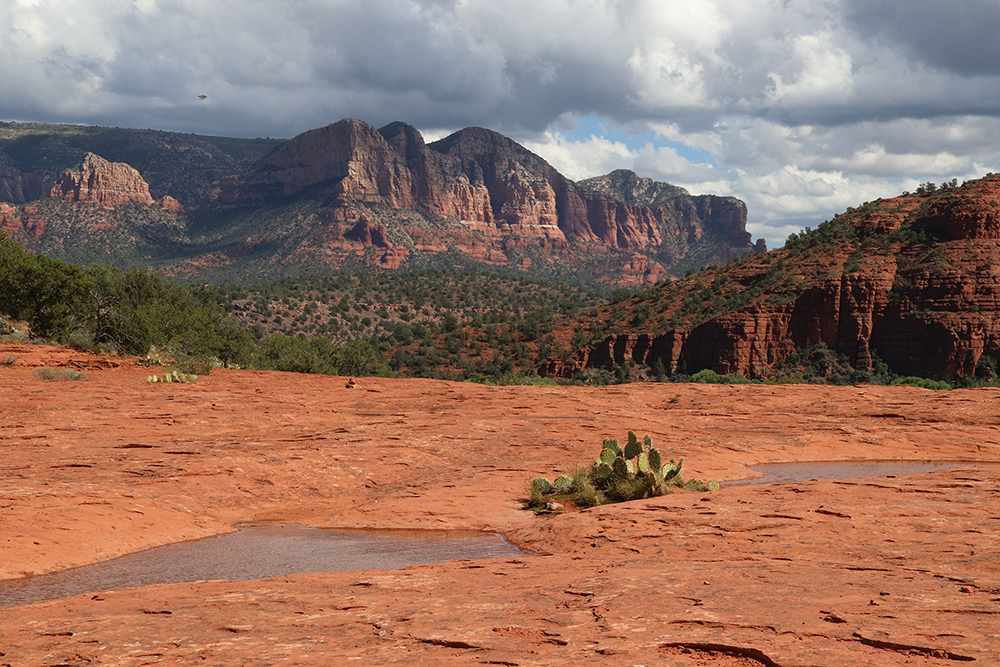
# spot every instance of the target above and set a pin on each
(174, 376)
(616, 475)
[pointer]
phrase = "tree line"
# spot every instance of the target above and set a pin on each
(138, 310)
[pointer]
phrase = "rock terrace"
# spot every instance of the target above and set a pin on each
(863, 572)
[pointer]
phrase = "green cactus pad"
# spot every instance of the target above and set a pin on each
(602, 471)
(643, 462)
(612, 445)
(620, 467)
(633, 448)
(655, 460)
(647, 442)
(563, 482)
(542, 486)
(608, 456)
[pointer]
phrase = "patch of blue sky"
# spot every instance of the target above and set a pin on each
(600, 126)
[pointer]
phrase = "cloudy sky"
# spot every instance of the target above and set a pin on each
(799, 107)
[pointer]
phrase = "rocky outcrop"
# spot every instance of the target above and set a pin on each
(171, 205)
(913, 281)
(368, 234)
(22, 222)
(491, 184)
(108, 184)
(98, 181)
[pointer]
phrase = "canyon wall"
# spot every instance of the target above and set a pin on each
(484, 179)
(351, 197)
(926, 302)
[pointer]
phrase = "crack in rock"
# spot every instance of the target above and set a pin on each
(907, 648)
(733, 651)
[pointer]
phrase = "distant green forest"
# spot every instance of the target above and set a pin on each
(338, 324)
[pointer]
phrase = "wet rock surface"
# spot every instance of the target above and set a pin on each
(879, 571)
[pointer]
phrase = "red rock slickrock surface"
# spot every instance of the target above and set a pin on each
(888, 571)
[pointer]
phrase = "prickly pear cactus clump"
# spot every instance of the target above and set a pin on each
(616, 475)
(174, 376)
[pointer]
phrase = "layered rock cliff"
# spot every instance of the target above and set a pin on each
(913, 281)
(97, 181)
(99, 211)
(349, 196)
(495, 188)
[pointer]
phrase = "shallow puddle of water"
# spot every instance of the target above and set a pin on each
(259, 552)
(802, 471)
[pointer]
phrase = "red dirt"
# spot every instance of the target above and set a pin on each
(901, 570)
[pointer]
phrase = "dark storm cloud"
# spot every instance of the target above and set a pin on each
(802, 106)
(960, 37)
(517, 66)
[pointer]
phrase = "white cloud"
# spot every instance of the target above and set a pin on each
(665, 78)
(824, 74)
(809, 173)
(582, 159)
(799, 107)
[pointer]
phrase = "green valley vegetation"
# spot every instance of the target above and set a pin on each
(454, 326)
(346, 306)
(119, 311)
(141, 312)
(340, 324)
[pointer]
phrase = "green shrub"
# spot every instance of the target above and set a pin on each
(923, 383)
(48, 373)
(512, 379)
(708, 376)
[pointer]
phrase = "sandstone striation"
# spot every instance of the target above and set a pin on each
(913, 281)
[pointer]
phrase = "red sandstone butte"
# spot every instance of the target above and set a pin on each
(490, 183)
(888, 571)
(101, 182)
(928, 307)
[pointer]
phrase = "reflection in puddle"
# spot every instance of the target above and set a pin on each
(784, 473)
(259, 552)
